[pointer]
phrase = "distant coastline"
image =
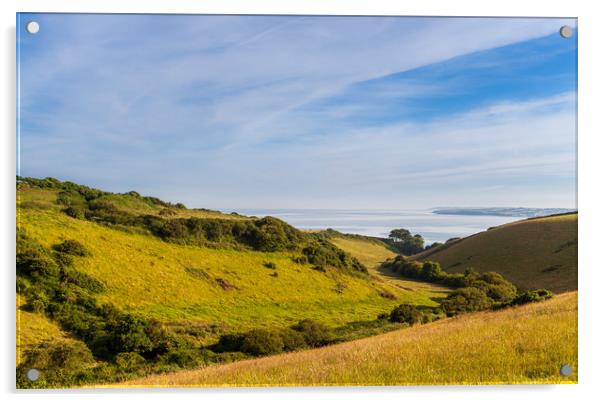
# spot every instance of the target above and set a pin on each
(509, 212)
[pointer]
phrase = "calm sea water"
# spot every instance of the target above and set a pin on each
(433, 227)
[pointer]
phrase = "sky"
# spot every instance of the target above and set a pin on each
(231, 112)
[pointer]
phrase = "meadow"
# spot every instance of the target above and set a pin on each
(493, 347)
(137, 287)
(217, 290)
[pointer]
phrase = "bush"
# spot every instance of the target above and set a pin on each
(229, 343)
(314, 334)
(261, 342)
(292, 340)
(466, 300)
(325, 254)
(59, 363)
(431, 271)
(532, 296)
(72, 247)
(33, 259)
(406, 313)
(129, 361)
(75, 212)
(83, 280)
(272, 234)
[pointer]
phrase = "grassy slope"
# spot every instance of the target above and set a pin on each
(149, 276)
(372, 253)
(534, 253)
(482, 348)
(34, 328)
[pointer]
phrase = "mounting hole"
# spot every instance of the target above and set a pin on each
(566, 31)
(566, 370)
(33, 374)
(32, 27)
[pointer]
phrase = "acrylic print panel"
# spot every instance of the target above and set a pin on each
(229, 201)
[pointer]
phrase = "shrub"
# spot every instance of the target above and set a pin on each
(133, 334)
(271, 234)
(292, 340)
(229, 343)
(72, 247)
(323, 254)
(300, 260)
(33, 259)
(129, 361)
(75, 212)
(262, 342)
(83, 280)
(315, 334)
(406, 313)
(59, 362)
(431, 271)
(532, 296)
(63, 260)
(466, 300)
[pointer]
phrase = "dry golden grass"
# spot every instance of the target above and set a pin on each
(533, 254)
(527, 344)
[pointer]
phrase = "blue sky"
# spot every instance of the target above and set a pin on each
(234, 112)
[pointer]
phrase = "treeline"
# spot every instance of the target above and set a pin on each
(474, 291)
(266, 234)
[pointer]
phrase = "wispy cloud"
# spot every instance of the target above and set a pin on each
(287, 111)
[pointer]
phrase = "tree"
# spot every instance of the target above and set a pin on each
(399, 235)
(405, 242)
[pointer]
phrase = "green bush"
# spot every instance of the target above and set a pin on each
(314, 333)
(406, 313)
(72, 247)
(532, 296)
(34, 260)
(325, 254)
(59, 363)
(466, 300)
(83, 280)
(259, 342)
(75, 212)
(292, 340)
(129, 361)
(229, 343)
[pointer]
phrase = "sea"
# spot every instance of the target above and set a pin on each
(434, 227)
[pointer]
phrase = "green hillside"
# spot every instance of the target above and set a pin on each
(194, 274)
(532, 253)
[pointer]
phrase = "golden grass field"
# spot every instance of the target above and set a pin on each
(533, 253)
(526, 344)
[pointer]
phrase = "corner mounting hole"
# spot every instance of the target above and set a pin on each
(33, 374)
(32, 27)
(566, 31)
(566, 370)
